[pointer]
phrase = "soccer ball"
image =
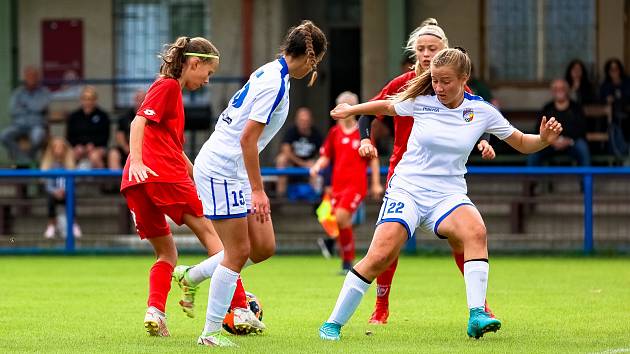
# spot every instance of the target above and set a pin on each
(254, 305)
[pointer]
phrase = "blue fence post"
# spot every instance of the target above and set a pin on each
(588, 213)
(70, 203)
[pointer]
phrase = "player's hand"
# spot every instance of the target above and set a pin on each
(376, 192)
(367, 150)
(260, 206)
(487, 152)
(139, 171)
(314, 170)
(550, 130)
(341, 111)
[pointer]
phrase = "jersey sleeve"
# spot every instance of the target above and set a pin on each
(404, 108)
(159, 97)
(267, 97)
(328, 148)
(498, 125)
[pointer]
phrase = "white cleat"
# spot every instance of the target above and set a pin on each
(215, 339)
(245, 322)
(155, 323)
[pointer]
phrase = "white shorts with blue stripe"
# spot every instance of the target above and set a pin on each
(419, 208)
(223, 198)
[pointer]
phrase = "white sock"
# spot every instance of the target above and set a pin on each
(204, 270)
(219, 297)
(349, 298)
(476, 278)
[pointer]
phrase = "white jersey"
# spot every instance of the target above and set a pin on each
(264, 99)
(442, 139)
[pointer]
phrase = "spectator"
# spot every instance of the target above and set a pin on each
(299, 147)
(572, 141)
(28, 107)
(58, 155)
(117, 155)
(88, 131)
(580, 87)
(615, 91)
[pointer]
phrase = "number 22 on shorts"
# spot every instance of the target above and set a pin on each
(394, 207)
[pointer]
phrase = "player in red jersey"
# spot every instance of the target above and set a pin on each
(425, 41)
(157, 175)
(349, 185)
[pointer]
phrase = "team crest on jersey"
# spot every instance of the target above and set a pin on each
(469, 115)
(149, 112)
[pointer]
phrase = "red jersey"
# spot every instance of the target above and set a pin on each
(163, 142)
(349, 169)
(402, 124)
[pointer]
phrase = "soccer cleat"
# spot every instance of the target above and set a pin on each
(480, 322)
(215, 339)
(324, 248)
(245, 322)
(187, 303)
(155, 323)
(330, 331)
(379, 316)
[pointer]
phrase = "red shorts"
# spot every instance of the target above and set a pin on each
(149, 202)
(347, 199)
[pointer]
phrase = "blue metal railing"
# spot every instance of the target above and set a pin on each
(587, 174)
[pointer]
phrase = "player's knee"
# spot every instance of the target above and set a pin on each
(379, 260)
(238, 254)
(477, 234)
(344, 219)
(262, 253)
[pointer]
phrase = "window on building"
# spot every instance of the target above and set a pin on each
(534, 40)
(142, 27)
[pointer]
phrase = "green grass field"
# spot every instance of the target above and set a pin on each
(97, 304)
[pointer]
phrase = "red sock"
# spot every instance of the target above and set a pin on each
(384, 284)
(159, 284)
(239, 300)
(459, 260)
(346, 244)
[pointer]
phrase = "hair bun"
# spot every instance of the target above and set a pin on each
(429, 21)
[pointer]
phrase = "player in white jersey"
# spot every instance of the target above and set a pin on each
(227, 169)
(428, 189)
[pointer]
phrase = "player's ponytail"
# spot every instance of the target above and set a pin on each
(306, 39)
(175, 54)
(422, 86)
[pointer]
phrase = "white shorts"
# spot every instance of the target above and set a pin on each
(223, 198)
(419, 208)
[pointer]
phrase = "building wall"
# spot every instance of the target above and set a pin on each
(98, 36)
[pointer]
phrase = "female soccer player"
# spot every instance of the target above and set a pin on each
(349, 185)
(227, 171)
(428, 189)
(425, 41)
(157, 175)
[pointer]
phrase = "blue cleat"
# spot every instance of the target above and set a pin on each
(480, 322)
(330, 331)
